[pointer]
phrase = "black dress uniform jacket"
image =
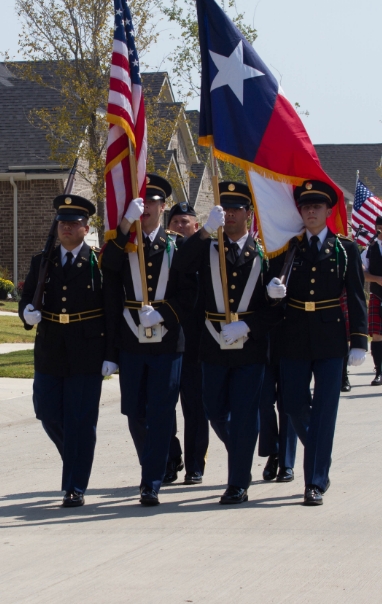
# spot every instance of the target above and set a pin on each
(180, 296)
(195, 257)
(375, 267)
(77, 347)
(321, 334)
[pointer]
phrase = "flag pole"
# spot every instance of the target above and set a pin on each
(138, 230)
(223, 268)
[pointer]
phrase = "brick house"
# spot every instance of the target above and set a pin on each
(29, 180)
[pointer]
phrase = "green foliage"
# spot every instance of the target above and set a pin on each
(6, 285)
(186, 57)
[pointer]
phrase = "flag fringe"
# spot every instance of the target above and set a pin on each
(112, 234)
(120, 121)
(117, 160)
(208, 141)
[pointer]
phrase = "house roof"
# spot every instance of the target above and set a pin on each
(195, 181)
(341, 162)
(21, 143)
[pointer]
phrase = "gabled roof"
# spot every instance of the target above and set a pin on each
(341, 162)
(196, 180)
(21, 143)
(157, 84)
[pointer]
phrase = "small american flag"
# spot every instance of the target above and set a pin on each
(366, 208)
(126, 115)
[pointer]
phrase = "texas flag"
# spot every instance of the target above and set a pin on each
(246, 117)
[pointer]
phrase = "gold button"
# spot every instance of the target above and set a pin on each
(63, 310)
(231, 301)
(226, 249)
(149, 289)
(149, 264)
(63, 299)
(332, 270)
(149, 276)
(294, 268)
(156, 247)
(102, 334)
(246, 254)
(64, 287)
(327, 251)
(89, 286)
(313, 281)
(314, 268)
(311, 292)
(234, 274)
(338, 320)
(233, 286)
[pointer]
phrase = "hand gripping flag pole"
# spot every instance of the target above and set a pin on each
(223, 268)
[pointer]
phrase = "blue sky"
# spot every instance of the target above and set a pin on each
(327, 54)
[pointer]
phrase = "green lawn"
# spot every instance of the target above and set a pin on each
(17, 364)
(9, 306)
(12, 331)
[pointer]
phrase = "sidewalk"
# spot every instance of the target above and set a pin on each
(189, 549)
(4, 348)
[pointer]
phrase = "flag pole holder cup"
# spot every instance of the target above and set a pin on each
(150, 335)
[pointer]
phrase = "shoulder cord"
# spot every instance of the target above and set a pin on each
(263, 259)
(93, 261)
(170, 240)
(337, 248)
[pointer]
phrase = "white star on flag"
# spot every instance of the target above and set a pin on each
(131, 52)
(135, 63)
(118, 12)
(232, 71)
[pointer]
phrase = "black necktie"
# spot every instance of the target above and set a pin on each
(314, 247)
(147, 247)
(235, 252)
(68, 263)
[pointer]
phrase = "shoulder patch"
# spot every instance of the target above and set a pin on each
(344, 237)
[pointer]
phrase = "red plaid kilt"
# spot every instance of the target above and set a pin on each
(374, 318)
(344, 306)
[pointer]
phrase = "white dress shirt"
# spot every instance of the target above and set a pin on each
(75, 253)
(321, 236)
(241, 241)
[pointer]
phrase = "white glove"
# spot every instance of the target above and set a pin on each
(135, 210)
(31, 316)
(234, 331)
(215, 219)
(108, 367)
(356, 356)
(276, 289)
(148, 316)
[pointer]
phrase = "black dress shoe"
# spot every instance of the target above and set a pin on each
(285, 475)
(313, 495)
(345, 386)
(234, 495)
(271, 466)
(193, 478)
(73, 499)
(377, 381)
(149, 496)
(173, 467)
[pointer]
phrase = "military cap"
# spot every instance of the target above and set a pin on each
(378, 220)
(157, 187)
(234, 195)
(73, 207)
(183, 208)
(315, 191)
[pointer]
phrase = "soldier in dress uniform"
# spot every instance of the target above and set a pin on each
(372, 262)
(149, 367)
(313, 340)
(233, 355)
(70, 345)
(182, 219)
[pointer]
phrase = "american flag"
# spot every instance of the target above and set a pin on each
(366, 208)
(126, 115)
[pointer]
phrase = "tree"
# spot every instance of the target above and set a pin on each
(72, 39)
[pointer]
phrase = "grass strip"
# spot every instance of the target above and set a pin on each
(12, 331)
(19, 364)
(9, 306)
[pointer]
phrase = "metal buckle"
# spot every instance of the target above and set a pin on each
(64, 318)
(310, 306)
(234, 317)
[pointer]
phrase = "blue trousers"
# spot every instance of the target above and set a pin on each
(313, 417)
(195, 421)
(275, 438)
(68, 410)
(231, 397)
(150, 390)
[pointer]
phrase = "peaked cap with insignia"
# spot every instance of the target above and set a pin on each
(234, 195)
(315, 191)
(73, 207)
(157, 187)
